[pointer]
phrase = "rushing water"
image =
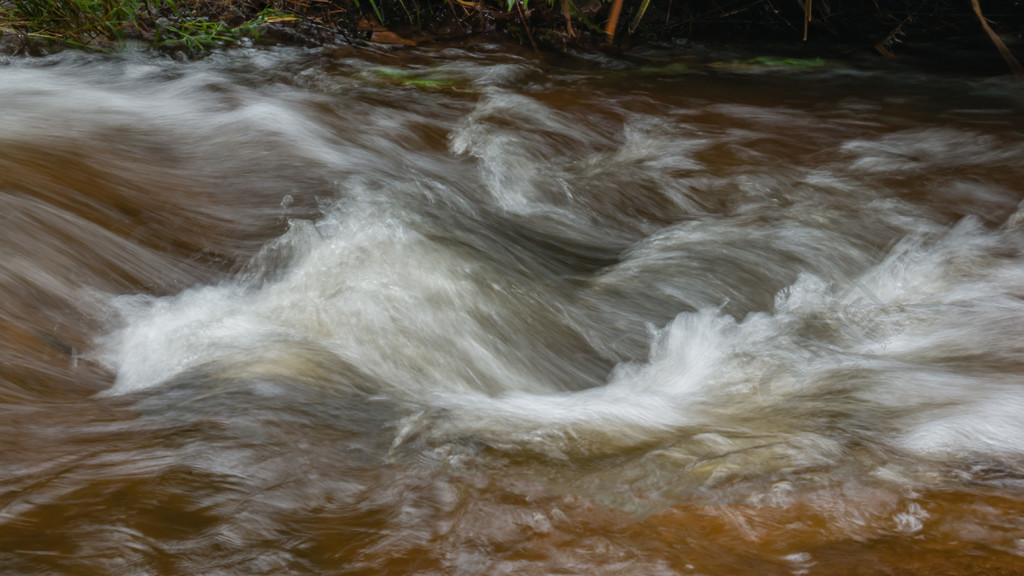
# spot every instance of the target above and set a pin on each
(464, 312)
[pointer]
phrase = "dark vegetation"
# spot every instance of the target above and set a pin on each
(194, 26)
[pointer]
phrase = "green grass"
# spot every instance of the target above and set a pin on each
(75, 22)
(105, 24)
(200, 34)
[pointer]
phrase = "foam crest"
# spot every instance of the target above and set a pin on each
(366, 287)
(913, 354)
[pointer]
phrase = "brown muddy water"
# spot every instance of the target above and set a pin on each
(448, 312)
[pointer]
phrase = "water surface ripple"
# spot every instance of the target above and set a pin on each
(332, 311)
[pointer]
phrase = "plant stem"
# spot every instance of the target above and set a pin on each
(613, 21)
(1003, 50)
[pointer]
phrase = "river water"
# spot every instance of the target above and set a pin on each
(450, 312)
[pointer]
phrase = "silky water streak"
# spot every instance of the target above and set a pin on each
(286, 314)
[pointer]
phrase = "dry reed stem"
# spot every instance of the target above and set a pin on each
(1003, 50)
(522, 20)
(567, 13)
(807, 17)
(613, 21)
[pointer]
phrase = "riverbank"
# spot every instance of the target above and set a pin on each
(192, 28)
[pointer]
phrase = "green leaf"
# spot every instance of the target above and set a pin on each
(639, 15)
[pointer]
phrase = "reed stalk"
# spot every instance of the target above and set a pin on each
(1015, 66)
